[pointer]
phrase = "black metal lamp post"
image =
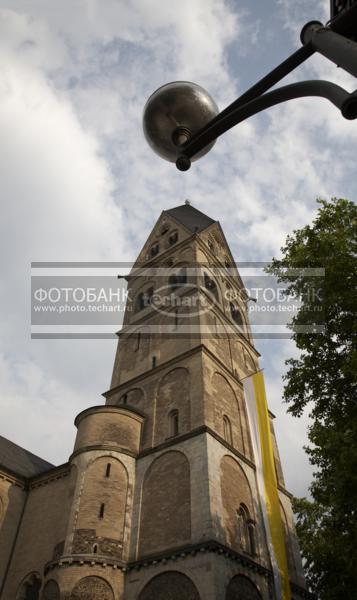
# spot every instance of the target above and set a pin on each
(181, 121)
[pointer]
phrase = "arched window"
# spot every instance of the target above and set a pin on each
(154, 250)
(229, 294)
(140, 302)
(211, 245)
(178, 278)
(211, 286)
(169, 585)
(144, 299)
(30, 588)
(173, 237)
(227, 430)
(251, 533)
(236, 315)
(245, 357)
(51, 591)
(242, 587)
(173, 423)
(246, 531)
(138, 340)
(95, 549)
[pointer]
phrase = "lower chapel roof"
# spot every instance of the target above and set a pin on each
(21, 461)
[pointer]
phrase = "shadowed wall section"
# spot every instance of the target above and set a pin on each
(226, 404)
(288, 548)
(30, 588)
(241, 588)
(51, 591)
(236, 492)
(170, 586)
(166, 504)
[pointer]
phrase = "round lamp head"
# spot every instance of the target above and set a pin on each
(173, 114)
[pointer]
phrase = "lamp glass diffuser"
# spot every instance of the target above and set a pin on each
(173, 114)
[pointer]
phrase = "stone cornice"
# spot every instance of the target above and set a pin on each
(107, 408)
(171, 556)
(190, 434)
(27, 483)
(12, 477)
(85, 559)
(285, 491)
(149, 372)
(50, 476)
(103, 448)
(211, 546)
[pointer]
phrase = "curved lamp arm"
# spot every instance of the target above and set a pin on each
(346, 102)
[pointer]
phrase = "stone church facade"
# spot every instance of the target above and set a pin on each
(158, 500)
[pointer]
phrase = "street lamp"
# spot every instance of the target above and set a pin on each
(181, 121)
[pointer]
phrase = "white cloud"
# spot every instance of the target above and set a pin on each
(38, 409)
(295, 14)
(57, 205)
(80, 183)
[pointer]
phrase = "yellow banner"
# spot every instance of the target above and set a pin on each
(270, 484)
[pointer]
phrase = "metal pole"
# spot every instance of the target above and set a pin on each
(346, 102)
(337, 48)
(264, 84)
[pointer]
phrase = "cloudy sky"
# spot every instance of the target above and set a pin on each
(78, 182)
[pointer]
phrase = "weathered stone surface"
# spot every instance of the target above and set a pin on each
(92, 588)
(110, 491)
(86, 541)
(173, 393)
(166, 504)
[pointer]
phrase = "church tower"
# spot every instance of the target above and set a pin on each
(158, 500)
(196, 527)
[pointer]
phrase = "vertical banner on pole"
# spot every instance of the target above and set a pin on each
(254, 391)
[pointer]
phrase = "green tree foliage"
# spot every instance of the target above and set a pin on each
(323, 380)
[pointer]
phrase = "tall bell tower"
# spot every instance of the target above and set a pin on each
(193, 527)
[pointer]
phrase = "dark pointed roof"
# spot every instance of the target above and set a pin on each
(21, 461)
(190, 217)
